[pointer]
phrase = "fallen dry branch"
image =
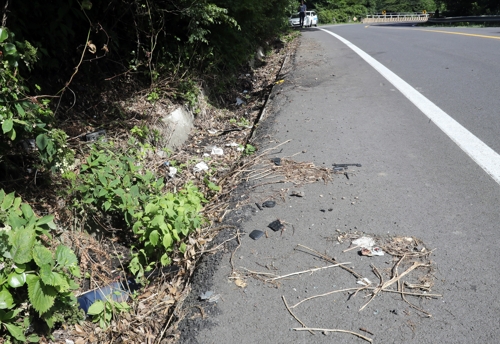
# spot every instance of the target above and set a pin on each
(334, 330)
(358, 289)
(305, 271)
(332, 260)
(394, 279)
(325, 294)
(293, 315)
(401, 289)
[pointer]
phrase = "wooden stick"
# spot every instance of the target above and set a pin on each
(365, 288)
(332, 330)
(393, 280)
(401, 289)
(351, 248)
(293, 315)
(305, 271)
(331, 260)
(325, 294)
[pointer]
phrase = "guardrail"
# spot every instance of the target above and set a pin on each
(396, 18)
(474, 19)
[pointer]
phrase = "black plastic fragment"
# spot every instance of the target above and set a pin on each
(258, 206)
(95, 135)
(276, 161)
(346, 165)
(346, 175)
(256, 234)
(269, 204)
(323, 210)
(330, 209)
(276, 225)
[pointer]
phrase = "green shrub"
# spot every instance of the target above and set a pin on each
(23, 116)
(35, 283)
(118, 184)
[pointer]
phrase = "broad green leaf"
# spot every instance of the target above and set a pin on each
(6, 316)
(16, 221)
(42, 256)
(27, 211)
(20, 110)
(33, 338)
(154, 236)
(65, 257)
(167, 241)
(48, 276)
(47, 220)
(165, 259)
(20, 268)
(96, 308)
(42, 141)
(12, 134)
(41, 296)
(10, 49)
(182, 248)
(60, 282)
(17, 203)
(106, 205)
(16, 331)
(3, 34)
(50, 319)
(22, 241)
(7, 125)
(75, 271)
(151, 208)
(6, 300)
(7, 201)
(103, 180)
(16, 280)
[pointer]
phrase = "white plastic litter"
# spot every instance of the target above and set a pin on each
(232, 144)
(365, 242)
(373, 251)
(240, 148)
(206, 154)
(212, 131)
(364, 281)
(172, 171)
(201, 166)
(217, 151)
(239, 101)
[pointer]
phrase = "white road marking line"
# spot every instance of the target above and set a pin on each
(483, 155)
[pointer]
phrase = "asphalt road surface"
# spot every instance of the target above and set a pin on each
(427, 137)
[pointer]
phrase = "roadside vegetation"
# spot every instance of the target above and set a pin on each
(330, 11)
(70, 69)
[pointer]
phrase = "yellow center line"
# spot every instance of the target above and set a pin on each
(461, 33)
(451, 33)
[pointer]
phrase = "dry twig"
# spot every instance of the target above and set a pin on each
(332, 330)
(293, 315)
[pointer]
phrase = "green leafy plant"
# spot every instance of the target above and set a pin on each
(116, 184)
(23, 116)
(103, 311)
(249, 149)
(35, 282)
(162, 224)
(153, 96)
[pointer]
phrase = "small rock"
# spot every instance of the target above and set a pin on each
(268, 204)
(298, 193)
